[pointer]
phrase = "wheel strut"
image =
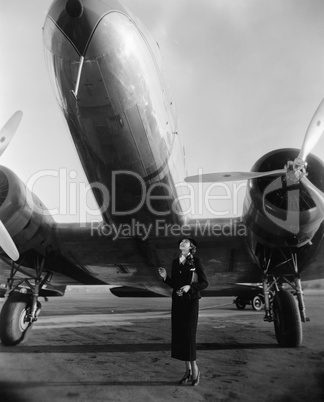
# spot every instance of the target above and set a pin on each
(34, 284)
(267, 306)
(299, 291)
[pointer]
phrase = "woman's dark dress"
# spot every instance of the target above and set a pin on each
(184, 313)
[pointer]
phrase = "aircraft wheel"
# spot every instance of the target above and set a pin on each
(239, 304)
(14, 328)
(287, 322)
(257, 303)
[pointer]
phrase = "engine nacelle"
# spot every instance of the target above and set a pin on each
(280, 213)
(23, 214)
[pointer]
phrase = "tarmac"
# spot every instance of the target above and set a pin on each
(93, 346)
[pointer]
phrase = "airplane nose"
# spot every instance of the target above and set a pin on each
(74, 8)
(75, 21)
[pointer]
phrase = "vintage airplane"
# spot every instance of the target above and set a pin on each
(108, 78)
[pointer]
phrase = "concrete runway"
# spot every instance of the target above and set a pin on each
(96, 347)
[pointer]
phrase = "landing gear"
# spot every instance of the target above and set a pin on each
(21, 309)
(15, 319)
(287, 321)
(287, 318)
(281, 306)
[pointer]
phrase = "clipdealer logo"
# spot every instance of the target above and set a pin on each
(161, 228)
(183, 199)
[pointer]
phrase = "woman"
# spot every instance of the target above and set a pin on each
(187, 279)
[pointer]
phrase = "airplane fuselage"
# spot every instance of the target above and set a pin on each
(108, 77)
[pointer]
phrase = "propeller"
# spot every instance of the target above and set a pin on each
(8, 130)
(6, 134)
(7, 244)
(231, 176)
(313, 134)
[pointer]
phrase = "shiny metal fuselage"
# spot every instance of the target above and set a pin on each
(122, 117)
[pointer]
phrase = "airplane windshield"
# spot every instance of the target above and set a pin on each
(55, 63)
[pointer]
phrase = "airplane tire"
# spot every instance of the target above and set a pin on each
(287, 322)
(13, 327)
(257, 303)
(239, 304)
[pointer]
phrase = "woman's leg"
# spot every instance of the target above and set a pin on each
(187, 376)
(194, 369)
(188, 367)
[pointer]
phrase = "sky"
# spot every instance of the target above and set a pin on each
(246, 75)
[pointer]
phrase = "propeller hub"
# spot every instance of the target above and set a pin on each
(299, 164)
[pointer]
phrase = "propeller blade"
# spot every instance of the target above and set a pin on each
(8, 130)
(316, 194)
(313, 133)
(231, 176)
(7, 244)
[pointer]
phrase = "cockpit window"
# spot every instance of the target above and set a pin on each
(56, 44)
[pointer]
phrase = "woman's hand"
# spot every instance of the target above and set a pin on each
(162, 273)
(185, 289)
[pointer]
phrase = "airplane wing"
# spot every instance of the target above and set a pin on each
(82, 256)
(133, 262)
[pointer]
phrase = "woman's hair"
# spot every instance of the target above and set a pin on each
(193, 248)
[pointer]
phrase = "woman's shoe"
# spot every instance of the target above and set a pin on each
(196, 381)
(186, 378)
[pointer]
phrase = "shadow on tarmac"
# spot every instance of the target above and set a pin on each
(6, 387)
(145, 347)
